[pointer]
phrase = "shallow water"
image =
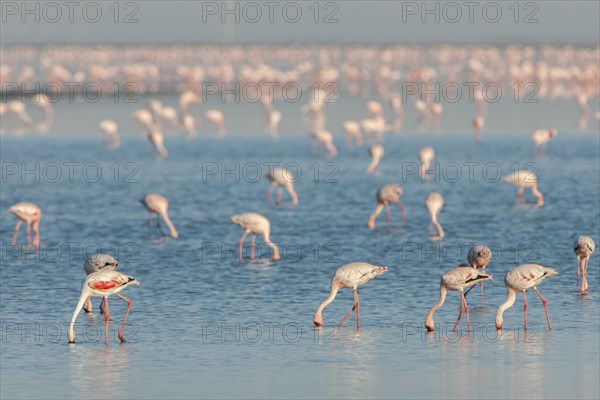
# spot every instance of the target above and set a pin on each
(205, 325)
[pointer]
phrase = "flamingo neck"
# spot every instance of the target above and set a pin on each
(82, 298)
(429, 320)
(510, 300)
(334, 289)
(272, 245)
(172, 231)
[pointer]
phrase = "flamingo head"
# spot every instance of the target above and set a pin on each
(499, 322)
(318, 320)
(552, 132)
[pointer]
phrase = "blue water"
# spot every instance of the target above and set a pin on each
(204, 325)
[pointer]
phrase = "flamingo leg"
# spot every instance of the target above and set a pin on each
(357, 306)
(462, 307)
(129, 303)
(102, 306)
(388, 214)
(106, 319)
(524, 311)
(279, 195)
(578, 272)
(403, 212)
(28, 232)
(545, 307)
(252, 246)
(347, 315)
(464, 300)
(584, 267)
(241, 243)
(158, 225)
(16, 232)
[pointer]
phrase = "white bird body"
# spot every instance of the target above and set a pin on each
(519, 279)
(284, 179)
(542, 136)
(353, 133)
(523, 179)
(32, 215)
(256, 224)
(96, 263)
(217, 118)
(109, 128)
(158, 204)
(434, 204)
(352, 276)
(426, 155)
(324, 138)
(387, 194)
(157, 140)
(376, 151)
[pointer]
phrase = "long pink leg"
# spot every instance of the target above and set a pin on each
(106, 318)
(357, 305)
(279, 195)
(87, 306)
(525, 311)
(578, 272)
(129, 303)
(388, 214)
(16, 232)
(462, 307)
(252, 246)
(403, 212)
(241, 243)
(481, 284)
(584, 284)
(269, 191)
(28, 232)
(347, 315)
(545, 307)
(464, 300)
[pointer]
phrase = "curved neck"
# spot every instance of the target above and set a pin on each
(172, 230)
(510, 300)
(272, 245)
(328, 300)
(429, 320)
(82, 298)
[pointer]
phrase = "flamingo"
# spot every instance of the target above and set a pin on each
(385, 195)
(352, 276)
(436, 116)
(479, 257)
(189, 125)
(396, 105)
(103, 284)
(519, 279)
(144, 117)
(98, 262)
(541, 137)
(218, 119)
(426, 155)
(434, 203)
(376, 151)
(457, 279)
(32, 215)
(257, 225)
(157, 140)
(324, 139)
(478, 124)
(525, 179)
(110, 137)
(353, 133)
(273, 120)
(281, 177)
(158, 204)
(186, 99)
(583, 247)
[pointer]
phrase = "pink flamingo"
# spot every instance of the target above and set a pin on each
(283, 179)
(376, 151)
(32, 215)
(158, 204)
(519, 279)
(541, 137)
(257, 225)
(156, 138)
(103, 284)
(110, 137)
(218, 119)
(434, 204)
(523, 179)
(583, 247)
(479, 257)
(426, 155)
(324, 139)
(385, 195)
(352, 276)
(457, 279)
(353, 133)
(478, 125)
(98, 262)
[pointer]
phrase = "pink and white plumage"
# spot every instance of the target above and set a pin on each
(282, 178)
(158, 204)
(256, 224)
(434, 204)
(426, 155)
(103, 284)
(32, 215)
(376, 151)
(583, 248)
(352, 276)
(519, 279)
(387, 194)
(218, 119)
(96, 263)
(479, 256)
(324, 139)
(541, 137)
(353, 133)
(523, 179)
(457, 279)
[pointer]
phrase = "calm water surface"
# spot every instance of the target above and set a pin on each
(206, 326)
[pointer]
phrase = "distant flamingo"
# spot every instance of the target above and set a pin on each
(110, 137)
(457, 279)
(376, 151)
(282, 178)
(273, 120)
(32, 215)
(478, 125)
(479, 257)
(157, 139)
(103, 284)
(144, 117)
(525, 179)
(353, 133)
(189, 125)
(396, 105)
(257, 225)
(324, 139)
(158, 204)
(218, 119)
(436, 117)
(352, 276)
(519, 279)
(434, 204)
(583, 247)
(541, 137)
(385, 195)
(98, 262)
(186, 99)
(426, 155)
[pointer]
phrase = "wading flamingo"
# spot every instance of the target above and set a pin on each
(525, 179)
(157, 140)
(479, 257)
(457, 279)
(426, 155)
(376, 151)
(282, 178)
(158, 204)
(218, 119)
(324, 139)
(353, 133)
(32, 215)
(103, 284)
(541, 137)
(583, 247)
(478, 125)
(385, 195)
(96, 263)
(519, 279)
(257, 225)
(110, 136)
(434, 204)
(352, 276)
